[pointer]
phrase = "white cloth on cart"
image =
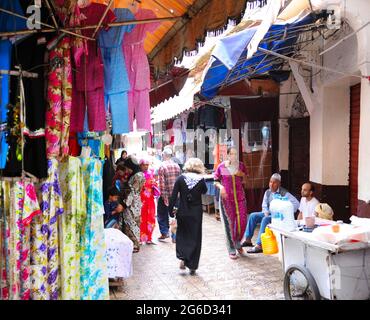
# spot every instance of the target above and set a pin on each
(119, 253)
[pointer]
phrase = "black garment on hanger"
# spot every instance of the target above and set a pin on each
(209, 116)
(190, 122)
(29, 53)
(108, 174)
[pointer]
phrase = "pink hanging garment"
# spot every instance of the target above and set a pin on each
(138, 70)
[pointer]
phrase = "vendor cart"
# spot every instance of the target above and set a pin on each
(316, 269)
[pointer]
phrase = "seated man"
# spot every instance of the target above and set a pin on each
(112, 209)
(308, 201)
(264, 217)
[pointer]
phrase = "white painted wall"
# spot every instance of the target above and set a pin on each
(329, 124)
(316, 144)
(285, 102)
(335, 151)
(364, 151)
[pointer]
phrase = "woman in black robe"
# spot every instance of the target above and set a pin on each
(189, 216)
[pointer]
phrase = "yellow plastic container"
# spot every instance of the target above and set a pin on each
(269, 243)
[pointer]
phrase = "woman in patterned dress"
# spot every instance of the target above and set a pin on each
(230, 177)
(131, 217)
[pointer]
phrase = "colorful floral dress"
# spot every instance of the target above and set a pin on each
(58, 113)
(94, 278)
(132, 214)
(70, 226)
(44, 238)
(148, 208)
(21, 206)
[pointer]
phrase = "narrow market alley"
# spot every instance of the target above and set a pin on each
(156, 273)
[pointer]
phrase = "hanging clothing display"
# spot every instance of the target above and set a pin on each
(92, 140)
(5, 52)
(35, 104)
(116, 82)
(209, 117)
(7, 23)
(108, 174)
(58, 112)
(177, 132)
(94, 279)
(20, 205)
(139, 71)
(44, 238)
(89, 76)
(70, 227)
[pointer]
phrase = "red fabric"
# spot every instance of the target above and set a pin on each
(74, 147)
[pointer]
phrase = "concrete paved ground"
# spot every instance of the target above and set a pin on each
(157, 274)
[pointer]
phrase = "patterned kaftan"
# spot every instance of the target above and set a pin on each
(70, 226)
(94, 278)
(58, 112)
(235, 206)
(20, 207)
(44, 239)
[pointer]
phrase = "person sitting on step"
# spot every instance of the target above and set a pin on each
(264, 217)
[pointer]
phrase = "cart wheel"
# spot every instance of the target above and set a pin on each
(299, 284)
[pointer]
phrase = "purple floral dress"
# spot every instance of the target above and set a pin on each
(44, 239)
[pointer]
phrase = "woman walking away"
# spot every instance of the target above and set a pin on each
(229, 178)
(149, 191)
(131, 218)
(191, 186)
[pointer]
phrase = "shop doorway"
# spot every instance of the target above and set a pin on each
(299, 154)
(354, 135)
(257, 121)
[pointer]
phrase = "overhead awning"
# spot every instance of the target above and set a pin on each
(168, 85)
(178, 104)
(280, 38)
(235, 57)
(193, 20)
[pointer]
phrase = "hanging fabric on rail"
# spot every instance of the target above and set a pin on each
(7, 23)
(35, 108)
(89, 76)
(20, 207)
(58, 112)
(44, 238)
(94, 279)
(71, 226)
(139, 71)
(116, 82)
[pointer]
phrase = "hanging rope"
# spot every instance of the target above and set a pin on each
(312, 64)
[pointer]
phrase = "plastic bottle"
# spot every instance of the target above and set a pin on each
(269, 243)
(282, 213)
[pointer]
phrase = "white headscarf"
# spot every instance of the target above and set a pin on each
(192, 179)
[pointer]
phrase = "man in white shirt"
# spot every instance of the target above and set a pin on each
(308, 201)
